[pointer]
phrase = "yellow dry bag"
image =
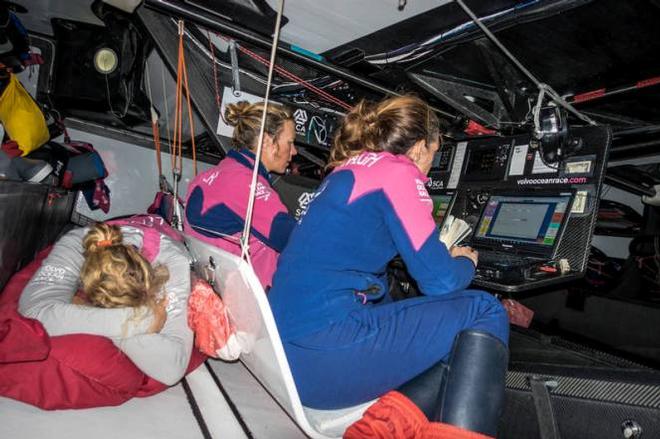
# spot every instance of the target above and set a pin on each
(22, 118)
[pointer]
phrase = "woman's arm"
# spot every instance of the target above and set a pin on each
(408, 214)
(48, 296)
(165, 356)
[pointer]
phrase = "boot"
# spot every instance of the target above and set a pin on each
(425, 389)
(473, 397)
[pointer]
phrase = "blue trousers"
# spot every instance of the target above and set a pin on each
(377, 349)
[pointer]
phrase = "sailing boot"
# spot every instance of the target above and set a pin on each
(473, 395)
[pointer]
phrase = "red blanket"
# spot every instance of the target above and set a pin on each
(71, 371)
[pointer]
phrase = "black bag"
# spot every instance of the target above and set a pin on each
(14, 41)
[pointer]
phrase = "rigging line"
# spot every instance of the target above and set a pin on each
(215, 72)
(167, 110)
(255, 172)
(298, 80)
(553, 94)
(207, 54)
(154, 122)
(190, 113)
(282, 71)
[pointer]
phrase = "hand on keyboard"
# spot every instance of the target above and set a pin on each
(468, 252)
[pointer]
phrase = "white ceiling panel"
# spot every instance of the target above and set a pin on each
(320, 25)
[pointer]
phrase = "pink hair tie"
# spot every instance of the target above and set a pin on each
(104, 243)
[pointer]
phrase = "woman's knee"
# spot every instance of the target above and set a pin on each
(491, 314)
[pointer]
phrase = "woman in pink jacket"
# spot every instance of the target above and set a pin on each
(217, 199)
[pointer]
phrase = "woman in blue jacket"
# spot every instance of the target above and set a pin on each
(345, 344)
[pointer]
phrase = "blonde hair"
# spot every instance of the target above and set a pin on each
(116, 275)
(394, 125)
(246, 120)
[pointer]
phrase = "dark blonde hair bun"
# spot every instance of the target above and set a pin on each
(234, 113)
(246, 120)
(394, 125)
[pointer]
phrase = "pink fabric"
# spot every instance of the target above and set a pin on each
(402, 182)
(207, 317)
(228, 183)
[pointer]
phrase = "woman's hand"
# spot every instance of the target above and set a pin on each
(160, 316)
(467, 252)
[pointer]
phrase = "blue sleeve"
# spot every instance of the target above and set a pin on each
(280, 230)
(217, 221)
(407, 210)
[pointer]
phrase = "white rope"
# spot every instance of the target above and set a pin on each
(245, 248)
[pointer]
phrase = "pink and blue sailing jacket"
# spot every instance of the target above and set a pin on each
(365, 212)
(216, 207)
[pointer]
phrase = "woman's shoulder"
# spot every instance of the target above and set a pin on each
(383, 166)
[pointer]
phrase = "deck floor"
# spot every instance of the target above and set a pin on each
(227, 402)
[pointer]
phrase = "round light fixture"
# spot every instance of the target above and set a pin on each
(105, 60)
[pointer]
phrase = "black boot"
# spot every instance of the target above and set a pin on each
(425, 389)
(473, 396)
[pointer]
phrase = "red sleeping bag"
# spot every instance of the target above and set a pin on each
(70, 371)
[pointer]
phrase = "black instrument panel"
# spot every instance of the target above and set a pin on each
(477, 168)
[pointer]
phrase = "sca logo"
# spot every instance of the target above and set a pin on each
(303, 203)
(300, 117)
(434, 184)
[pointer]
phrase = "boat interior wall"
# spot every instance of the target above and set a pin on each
(133, 176)
(243, 295)
(32, 216)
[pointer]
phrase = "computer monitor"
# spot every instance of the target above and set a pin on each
(442, 204)
(529, 224)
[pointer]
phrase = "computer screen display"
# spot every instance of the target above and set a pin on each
(441, 205)
(524, 219)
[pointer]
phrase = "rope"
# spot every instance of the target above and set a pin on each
(167, 110)
(155, 129)
(215, 72)
(181, 84)
(255, 172)
(282, 71)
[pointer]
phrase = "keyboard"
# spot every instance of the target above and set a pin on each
(500, 260)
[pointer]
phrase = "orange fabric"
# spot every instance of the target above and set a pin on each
(394, 416)
(207, 317)
(438, 430)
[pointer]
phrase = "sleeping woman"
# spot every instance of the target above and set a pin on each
(96, 281)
